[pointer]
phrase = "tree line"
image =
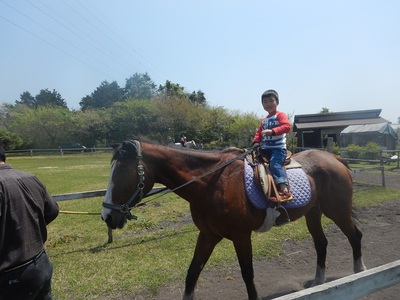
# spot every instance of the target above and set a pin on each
(111, 114)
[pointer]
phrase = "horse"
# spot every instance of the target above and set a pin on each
(213, 184)
(189, 144)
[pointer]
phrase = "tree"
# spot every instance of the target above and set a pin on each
(172, 90)
(177, 116)
(26, 99)
(241, 130)
(91, 127)
(45, 97)
(131, 118)
(103, 96)
(325, 110)
(198, 98)
(44, 127)
(140, 86)
(9, 140)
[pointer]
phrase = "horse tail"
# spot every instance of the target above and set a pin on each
(343, 161)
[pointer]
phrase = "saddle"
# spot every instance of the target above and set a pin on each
(263, 176)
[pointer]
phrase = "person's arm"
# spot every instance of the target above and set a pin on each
(257, 137)
(51, 208)
(284, 125)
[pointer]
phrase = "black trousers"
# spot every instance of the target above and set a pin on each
(32, 281)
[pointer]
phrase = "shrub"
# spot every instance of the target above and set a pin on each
(371, 151)
(353, 151)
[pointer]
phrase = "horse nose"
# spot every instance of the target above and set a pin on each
(109, 221)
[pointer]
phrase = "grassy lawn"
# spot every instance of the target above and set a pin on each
(148, 253)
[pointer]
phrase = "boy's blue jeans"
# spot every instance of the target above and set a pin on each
(276, 159)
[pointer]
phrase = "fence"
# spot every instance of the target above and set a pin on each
(32, 152)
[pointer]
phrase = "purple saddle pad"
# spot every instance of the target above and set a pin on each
(299, 187)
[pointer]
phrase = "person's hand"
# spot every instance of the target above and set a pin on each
(266, 132)
(256, 146)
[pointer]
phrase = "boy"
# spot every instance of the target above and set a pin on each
(271, 138)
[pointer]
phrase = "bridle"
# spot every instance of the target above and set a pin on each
(137, 195)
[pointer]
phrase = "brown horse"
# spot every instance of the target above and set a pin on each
(213, 184)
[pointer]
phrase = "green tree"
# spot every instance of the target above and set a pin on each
(103, 96)
(140, 86)
(242, 128)
(44, 127)
(131, 118)
(177, 116)
(45, 97)
(9, 140)
(26, 99)
(171, 89)
(215, 121)
(91, 127)
(325, 110)
(198, 98)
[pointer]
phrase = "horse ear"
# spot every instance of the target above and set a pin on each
(128, 149)
(114, 145)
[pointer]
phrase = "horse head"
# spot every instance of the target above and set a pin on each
(126, 184)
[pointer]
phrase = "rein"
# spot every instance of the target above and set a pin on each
(138, 195)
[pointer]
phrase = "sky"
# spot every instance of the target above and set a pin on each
(339, 55)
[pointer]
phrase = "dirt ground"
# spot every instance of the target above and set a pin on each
(294, 269)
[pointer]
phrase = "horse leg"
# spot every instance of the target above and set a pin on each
(244, 254)
(204, 247)
(354, 237)
(313, 220)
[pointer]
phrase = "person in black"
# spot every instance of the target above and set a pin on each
(25, 209)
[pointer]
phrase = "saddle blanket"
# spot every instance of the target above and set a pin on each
(299, 187)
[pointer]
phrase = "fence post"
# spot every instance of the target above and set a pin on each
(383, 176)
(329, 145)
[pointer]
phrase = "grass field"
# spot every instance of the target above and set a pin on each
(148, 253)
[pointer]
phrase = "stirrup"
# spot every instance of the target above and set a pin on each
(283, 222)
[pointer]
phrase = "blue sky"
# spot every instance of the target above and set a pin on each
(340, 55)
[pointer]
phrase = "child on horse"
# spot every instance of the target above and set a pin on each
(270, 138)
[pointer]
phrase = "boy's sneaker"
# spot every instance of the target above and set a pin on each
(285, 196)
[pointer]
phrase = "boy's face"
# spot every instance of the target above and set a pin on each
(269, 103)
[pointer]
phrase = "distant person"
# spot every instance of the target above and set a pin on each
(183, 141)
(271, 137)
(25, 210)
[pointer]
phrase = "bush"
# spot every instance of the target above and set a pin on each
(371, 151)
(353, 151)
(10, 140)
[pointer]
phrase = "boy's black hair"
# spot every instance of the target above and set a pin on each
(269, 93)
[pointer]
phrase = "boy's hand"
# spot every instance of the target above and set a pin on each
(267, 132)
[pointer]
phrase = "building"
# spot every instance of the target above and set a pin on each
(381, 134)
(313, 130)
